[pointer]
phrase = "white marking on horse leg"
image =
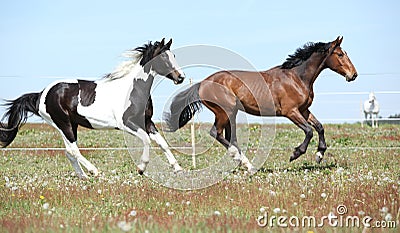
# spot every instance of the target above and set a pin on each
(75, 164)
(234, 153)
(82, 160)
(245, 161)
(319, 156)
(164, 145)
(241, 158)
(144, 160)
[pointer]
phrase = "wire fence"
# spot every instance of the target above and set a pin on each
(184, 148)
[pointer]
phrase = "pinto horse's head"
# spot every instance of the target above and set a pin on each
(339, 62)
(163, 62)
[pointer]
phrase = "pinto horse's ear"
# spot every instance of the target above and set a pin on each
(168, 45)
(162, 42)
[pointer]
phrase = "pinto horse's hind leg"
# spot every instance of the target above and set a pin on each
(156, 136)
(69, 134)
(321, 135)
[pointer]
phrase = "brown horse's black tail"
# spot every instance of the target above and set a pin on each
(183, 107)
(17, 114)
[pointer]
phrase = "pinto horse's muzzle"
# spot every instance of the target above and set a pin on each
(176, 76)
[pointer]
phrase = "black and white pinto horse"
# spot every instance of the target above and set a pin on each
(371, 109)
(120, 100)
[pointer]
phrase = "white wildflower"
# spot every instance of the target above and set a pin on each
(340, 170)
(384, 209)
(124, 226)
(46, 206)
(133, 213)
(217, 213)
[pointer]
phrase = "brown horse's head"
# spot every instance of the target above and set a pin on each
(339, 62)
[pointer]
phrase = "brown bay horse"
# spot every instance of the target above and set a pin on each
(285, 90)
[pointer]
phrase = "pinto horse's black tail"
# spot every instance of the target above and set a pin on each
(183, 107)
(17, 114)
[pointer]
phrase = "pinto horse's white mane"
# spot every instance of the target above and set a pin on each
(126, 66)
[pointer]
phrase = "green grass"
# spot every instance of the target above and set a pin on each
(40, 193)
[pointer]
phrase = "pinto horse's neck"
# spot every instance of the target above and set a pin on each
(138, 76)
(310, 69)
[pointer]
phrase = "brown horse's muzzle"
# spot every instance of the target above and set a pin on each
(352, 77)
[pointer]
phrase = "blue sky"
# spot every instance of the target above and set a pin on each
(45, 40)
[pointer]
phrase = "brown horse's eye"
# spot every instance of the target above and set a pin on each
(340, 54)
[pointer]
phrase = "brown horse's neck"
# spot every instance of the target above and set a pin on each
(310, 69)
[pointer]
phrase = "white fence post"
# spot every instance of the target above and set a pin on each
(193, 137)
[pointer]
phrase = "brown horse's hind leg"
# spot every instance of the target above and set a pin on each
(230, 140)
(321, 135)
(217, 134)
(297, 118)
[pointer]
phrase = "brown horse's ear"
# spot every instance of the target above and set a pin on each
(338, 41)
(168, 45)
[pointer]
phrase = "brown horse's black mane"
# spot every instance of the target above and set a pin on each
(303, 53)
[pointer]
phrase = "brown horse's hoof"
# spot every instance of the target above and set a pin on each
(292, 158)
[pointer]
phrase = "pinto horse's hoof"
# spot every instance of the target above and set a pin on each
(253, 171)
(178, 172)
(292, 158)
(140, 171)
(319, 156)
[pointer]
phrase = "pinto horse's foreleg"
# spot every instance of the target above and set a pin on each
(321, 135)
(297, 118)
(156, 136)
(140, 133)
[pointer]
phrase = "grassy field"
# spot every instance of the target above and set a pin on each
(359, 180)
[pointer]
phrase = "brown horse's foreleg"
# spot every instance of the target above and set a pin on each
(321, 135)
(297, 118)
